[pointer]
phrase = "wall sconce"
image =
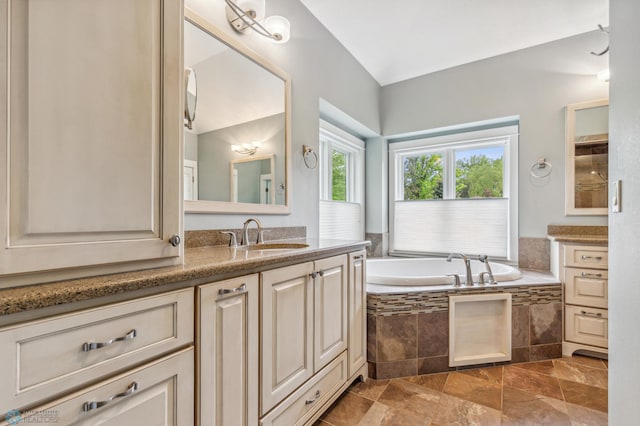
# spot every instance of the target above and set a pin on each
(248, 14)
(246, 148)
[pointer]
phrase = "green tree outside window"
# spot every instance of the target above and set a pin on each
(338, 176)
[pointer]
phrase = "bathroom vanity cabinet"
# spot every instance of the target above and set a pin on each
(303, 324)
(275, 346)
(130, 362)
(92, 134)
(228, 351)
(583, 270)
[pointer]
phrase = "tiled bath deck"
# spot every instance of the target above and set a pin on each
(567, 391)
(408, 330)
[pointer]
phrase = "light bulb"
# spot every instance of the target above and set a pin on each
(279, 27)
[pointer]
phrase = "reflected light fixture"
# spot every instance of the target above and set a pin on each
(245, 14)
(603, 75)
(246, 148)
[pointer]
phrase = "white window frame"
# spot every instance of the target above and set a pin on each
(507, 135)
(333, 138)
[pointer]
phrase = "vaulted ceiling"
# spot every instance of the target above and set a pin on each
(401, 39)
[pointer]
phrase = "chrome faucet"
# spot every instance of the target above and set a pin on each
(245, 231)
(485, 259)
(467, 264)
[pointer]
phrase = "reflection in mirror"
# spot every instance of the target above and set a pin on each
(242, 103)
(190, 97)
(587, 158)
(252, 180)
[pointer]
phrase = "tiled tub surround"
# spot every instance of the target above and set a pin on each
(408, 330)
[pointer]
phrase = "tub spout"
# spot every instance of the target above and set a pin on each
(485, 259)
(467, 264)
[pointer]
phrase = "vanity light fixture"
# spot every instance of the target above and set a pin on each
(246, 148)
(249, 14)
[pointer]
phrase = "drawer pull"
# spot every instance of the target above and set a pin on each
(315, 274)
(315, 398)
(358, 257)
(585, 257)
(587, 274)
(591, 314)
(228, 291)
(86, 347)
(88, 406)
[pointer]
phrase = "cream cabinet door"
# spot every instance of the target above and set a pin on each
(330, 310)
(90, 130)
(159, 393)
(228, 352)
(286, 330)
(357, 311)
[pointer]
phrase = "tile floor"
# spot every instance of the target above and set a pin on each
(567, 391)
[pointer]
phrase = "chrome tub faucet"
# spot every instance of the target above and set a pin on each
(485, 259)
(467, 264)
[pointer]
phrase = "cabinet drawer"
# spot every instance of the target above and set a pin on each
(158, 393)
(586, 325)
(302, 404)
(586, 287)
(46, 358)
(586, 256)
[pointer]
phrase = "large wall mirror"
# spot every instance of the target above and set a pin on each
(237, 151)
(587, 158)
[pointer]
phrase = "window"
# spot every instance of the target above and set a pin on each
(452, 194)
(341, 184)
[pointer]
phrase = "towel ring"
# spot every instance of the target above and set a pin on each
(310, 157)
(541, 164)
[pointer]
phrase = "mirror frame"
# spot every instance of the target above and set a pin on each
(205, 206)
(570, 161)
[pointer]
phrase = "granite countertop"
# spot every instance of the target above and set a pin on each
(596, 235)
(201, 264)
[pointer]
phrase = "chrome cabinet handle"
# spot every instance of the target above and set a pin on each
(315, 398)
(175, 240)
(86, 347)
(88, 406)
(228, 291)
(585, 257)
(591, 314)
(587, 274)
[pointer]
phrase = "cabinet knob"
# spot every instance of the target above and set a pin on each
(175, 240)
(315, 274)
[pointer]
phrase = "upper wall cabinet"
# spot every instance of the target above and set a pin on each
(587, 157)
(91, 134)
